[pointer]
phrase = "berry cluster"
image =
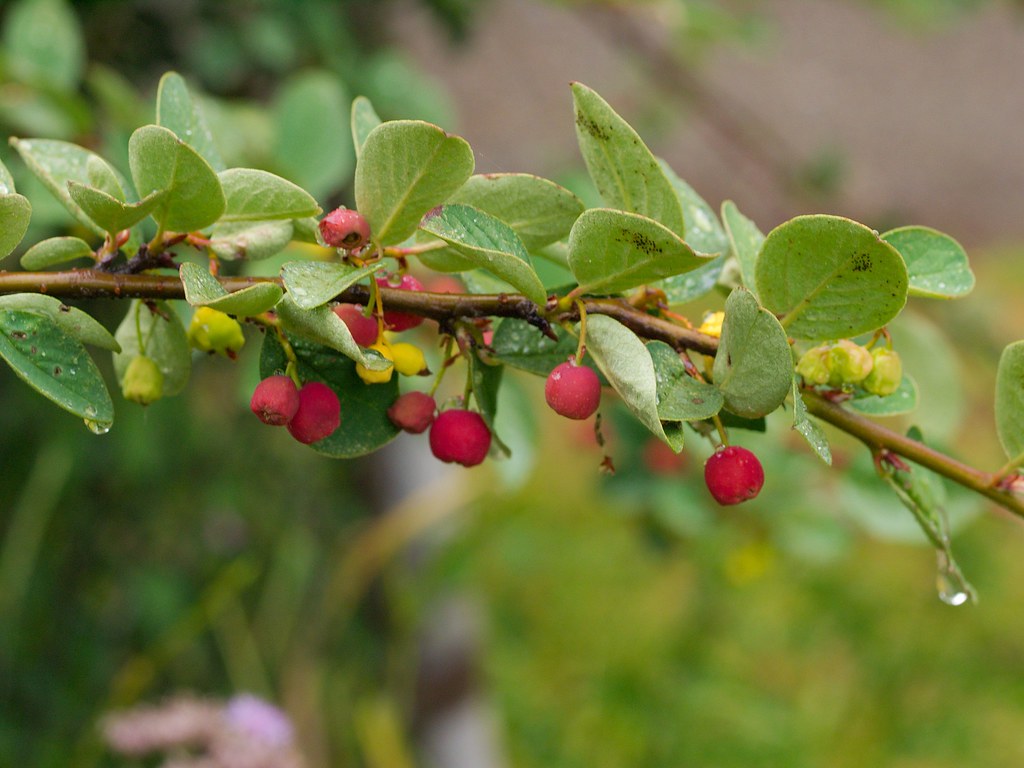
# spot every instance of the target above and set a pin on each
(844, 364)
(310, 413)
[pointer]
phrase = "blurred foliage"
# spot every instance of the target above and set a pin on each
(626, 621)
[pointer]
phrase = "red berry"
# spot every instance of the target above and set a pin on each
(275, 400)
(362, 328)
(461, 437)
(319, 413)
(401, 321)
(345, 228)
(572, 390)
(733, 474)
(413, 412)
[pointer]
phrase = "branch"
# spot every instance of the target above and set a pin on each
(91, 283)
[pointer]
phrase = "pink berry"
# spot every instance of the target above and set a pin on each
(401, 321)
(345, 228)
(413, 412)
(461, 437)
(733, 474)
(275, 400)
(573, 391)
(319, 413)
(362, 328)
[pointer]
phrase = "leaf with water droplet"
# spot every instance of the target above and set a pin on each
(42, 354)
(903, 400)
(802, 423)
(314, 283)
(204, 290)
(177, 111)
(936, 263)
(73, 320)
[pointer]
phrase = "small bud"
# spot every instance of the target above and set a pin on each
(813, 366)
(848, 363)
(886, 373)
(143, 381)
(345, 228)
(213, 331)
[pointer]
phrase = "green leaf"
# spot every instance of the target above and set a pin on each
(704, 233)
(937, 264)
(830, 277)
(806, 426)
(253, 195)
(611, 251)
(311, 144)
(55, 163)
(55, 250)
(71, 319)
(539, 211)
(364, 120)
(250, 240)
(903, 400)
(6, 181)
(1009, 404)
(107, 211)
(313, 283)
(407, 168)
(487, 243)
(158, 333)
(523, 346)
(177, 111)
(680, 396)
(624, 171)
(746, 241)
(753, 365)
(321, 326)
(15, 214)
(161, 162)
(43, 44)
(365, 426)
(626, 363)
(54, 363)
(684, 288)
(204, 290)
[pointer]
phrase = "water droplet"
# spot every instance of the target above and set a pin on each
(90, 412)
(97, 427)
(952, 587)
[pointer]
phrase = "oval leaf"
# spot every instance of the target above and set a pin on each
(163, 339)
(745, 240)
(680, 396)
(903, 400)
(161, 162)
(15, 214)
(830, 277)
(73, 320)
(253, 195)
(364, 119)
(54, 363)
(684, 288)
(753, 365)
(487, 243)
(107, 211)
(250, 240)
(204, 290)
(407, 168)
(539, 211)
(937, 264)
(624, 171)
(1009, 405)
(704, 233)
(365, 426)
(627, 365)
(177, 111)
(611, 251)
(321, 326)
(43, 44)
(313, 283)
(55, 250)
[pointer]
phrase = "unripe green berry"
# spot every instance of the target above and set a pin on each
(213, 331)
(813, 366)
(143, 381)
(848, 363)
(886, 374)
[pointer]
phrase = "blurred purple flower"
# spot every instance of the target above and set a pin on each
(258, 719)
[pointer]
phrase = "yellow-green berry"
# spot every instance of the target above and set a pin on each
(143, 381)
(813, 366)
(848, 363)
(886, 374)
(213, 331)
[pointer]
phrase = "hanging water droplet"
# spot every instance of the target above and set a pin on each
(952, 587)
(90, 412)
(97, 427)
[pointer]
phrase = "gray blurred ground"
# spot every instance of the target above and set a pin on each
(928, 122)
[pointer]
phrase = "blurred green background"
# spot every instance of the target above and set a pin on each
(533, 612)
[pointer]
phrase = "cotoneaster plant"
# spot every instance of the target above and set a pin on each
(805, 328)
